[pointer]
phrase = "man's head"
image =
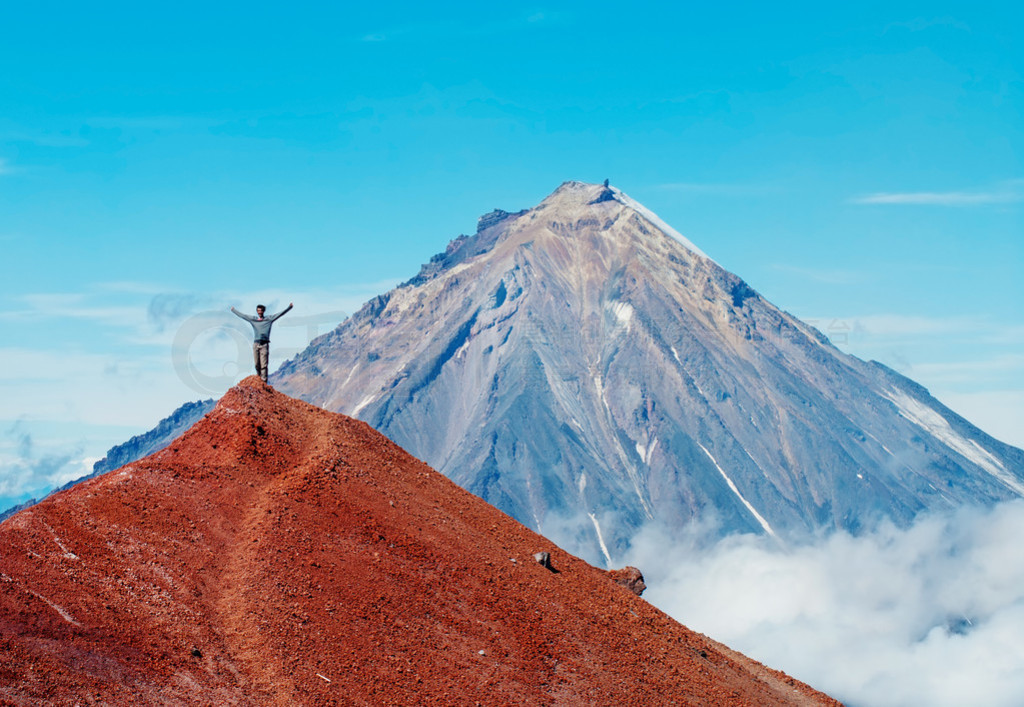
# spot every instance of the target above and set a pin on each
(260, 309)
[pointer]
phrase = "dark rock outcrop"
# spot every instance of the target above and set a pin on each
(629, 577)
(494, 218)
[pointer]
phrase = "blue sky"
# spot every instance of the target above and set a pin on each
(858, 164)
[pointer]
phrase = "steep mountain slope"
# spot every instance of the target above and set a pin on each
(7, 513)
(165, 432)
(581, 365)
(281, 554)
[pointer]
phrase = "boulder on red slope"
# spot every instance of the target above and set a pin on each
(629, 577)
(279, 554)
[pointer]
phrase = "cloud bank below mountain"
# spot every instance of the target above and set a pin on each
(931, 614)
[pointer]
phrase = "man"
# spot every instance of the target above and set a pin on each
(261, 336)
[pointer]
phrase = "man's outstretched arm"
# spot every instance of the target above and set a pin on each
(246, 317)
(274, 317)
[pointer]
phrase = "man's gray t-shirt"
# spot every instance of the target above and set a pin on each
(261, 327)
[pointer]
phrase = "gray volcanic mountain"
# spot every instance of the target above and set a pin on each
(581, 365)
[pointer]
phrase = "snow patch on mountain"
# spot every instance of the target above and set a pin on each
(623, 311)
(657, 222)
(937, 426)
(362, 404)
(600, 538)
(753, 511)
(646, 450)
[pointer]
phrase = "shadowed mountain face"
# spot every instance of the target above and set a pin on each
(580, 365)
(279, 554)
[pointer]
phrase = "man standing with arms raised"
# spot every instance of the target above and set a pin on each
(261, 336)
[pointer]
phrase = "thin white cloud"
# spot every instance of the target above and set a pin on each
(82, 388)
(875, 335)
(1008, 193)
(5, 167)
(151, 350)
(131, 287)
(45, 138)
(889, 329)
(41, 365)
(971, 370)
(150, 310)
(71, 306)
(823, 275)
(900, 325)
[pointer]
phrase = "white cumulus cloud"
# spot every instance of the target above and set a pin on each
(928, 615)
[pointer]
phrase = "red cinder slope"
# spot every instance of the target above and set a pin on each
(278, 554)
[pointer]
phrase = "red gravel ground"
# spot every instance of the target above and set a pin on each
(278, 554)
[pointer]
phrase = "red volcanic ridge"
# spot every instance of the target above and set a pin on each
(281, 554)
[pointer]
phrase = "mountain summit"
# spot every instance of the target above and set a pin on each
(279, 554)
(582, 365)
